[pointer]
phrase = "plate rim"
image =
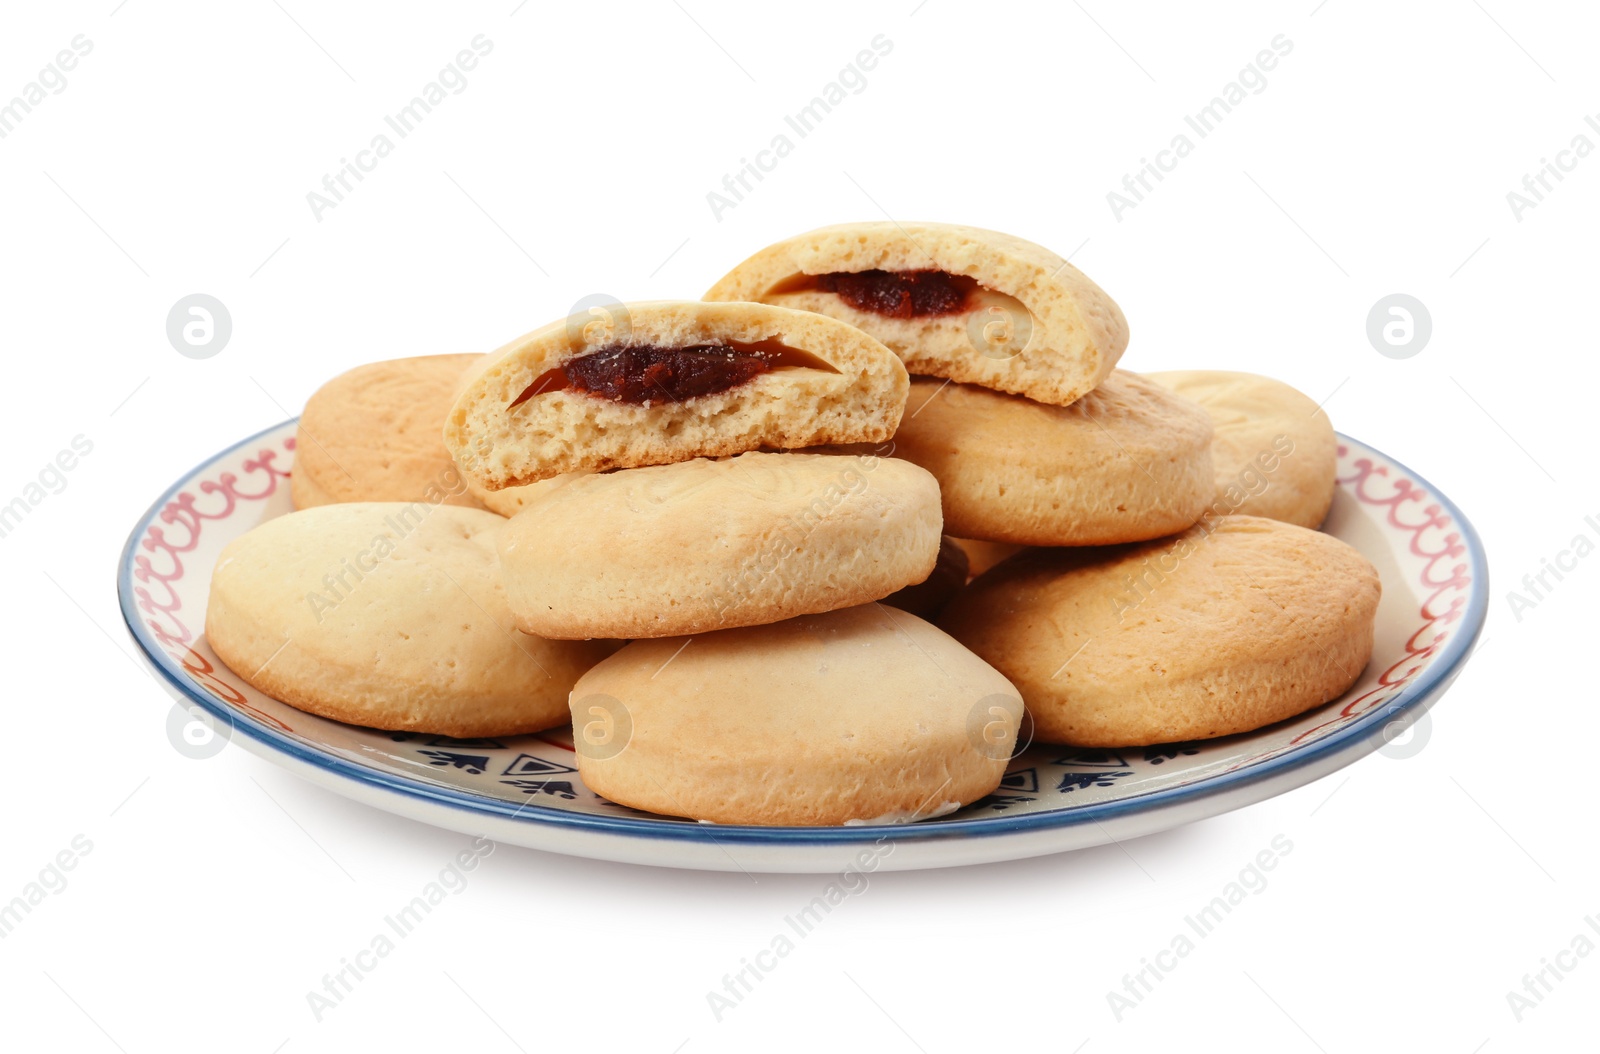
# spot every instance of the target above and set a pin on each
(1415, 696)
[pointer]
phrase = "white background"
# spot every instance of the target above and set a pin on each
(576, 161)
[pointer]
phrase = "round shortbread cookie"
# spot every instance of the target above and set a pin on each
(861, 715)
(1234, 624)
(388, 615)
(704, 545)
(373, 434)
(1274, 452)
(969, 304)
(667, 381)
(1127, 462)
(929, 596)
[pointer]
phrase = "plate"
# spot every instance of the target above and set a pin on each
(526, 791)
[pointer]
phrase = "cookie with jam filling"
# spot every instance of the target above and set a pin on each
(955, 302)
(661, 382)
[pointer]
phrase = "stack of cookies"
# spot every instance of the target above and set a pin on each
(671, 523)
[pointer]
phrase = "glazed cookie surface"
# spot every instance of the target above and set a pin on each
(859, 715)
(388, 615)
(703, 545)
(963, 303)
(667, 381)
(1275, 452)
(1127, 462)
(1233, 625)
(372, 434)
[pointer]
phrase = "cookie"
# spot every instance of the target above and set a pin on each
(388, 615)
(864, 715)
(1235, 624)
(970, 305)
(1274, 452)
(704, 545)
(928, 597)
(656, 383)
(1127, 462)
(372, 434)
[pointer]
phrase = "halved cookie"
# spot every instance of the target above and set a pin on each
(865, 715)
(704, 545)
(666, 381)
(1236, 623)
(1127, 462)
(388, 615)
(959, 302)
(1275, 452)
(372, 434)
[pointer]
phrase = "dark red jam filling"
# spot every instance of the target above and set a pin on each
(649, 373)
(893, 294)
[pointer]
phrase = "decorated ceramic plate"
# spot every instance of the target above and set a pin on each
(526, 791)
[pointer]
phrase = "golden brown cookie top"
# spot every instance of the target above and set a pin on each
(861, 714)
(387, 614)
(1275, 452)
(1128, 461)
(1234, 623)
(373, 434)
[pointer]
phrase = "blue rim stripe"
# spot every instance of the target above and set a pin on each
(1360, 732)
